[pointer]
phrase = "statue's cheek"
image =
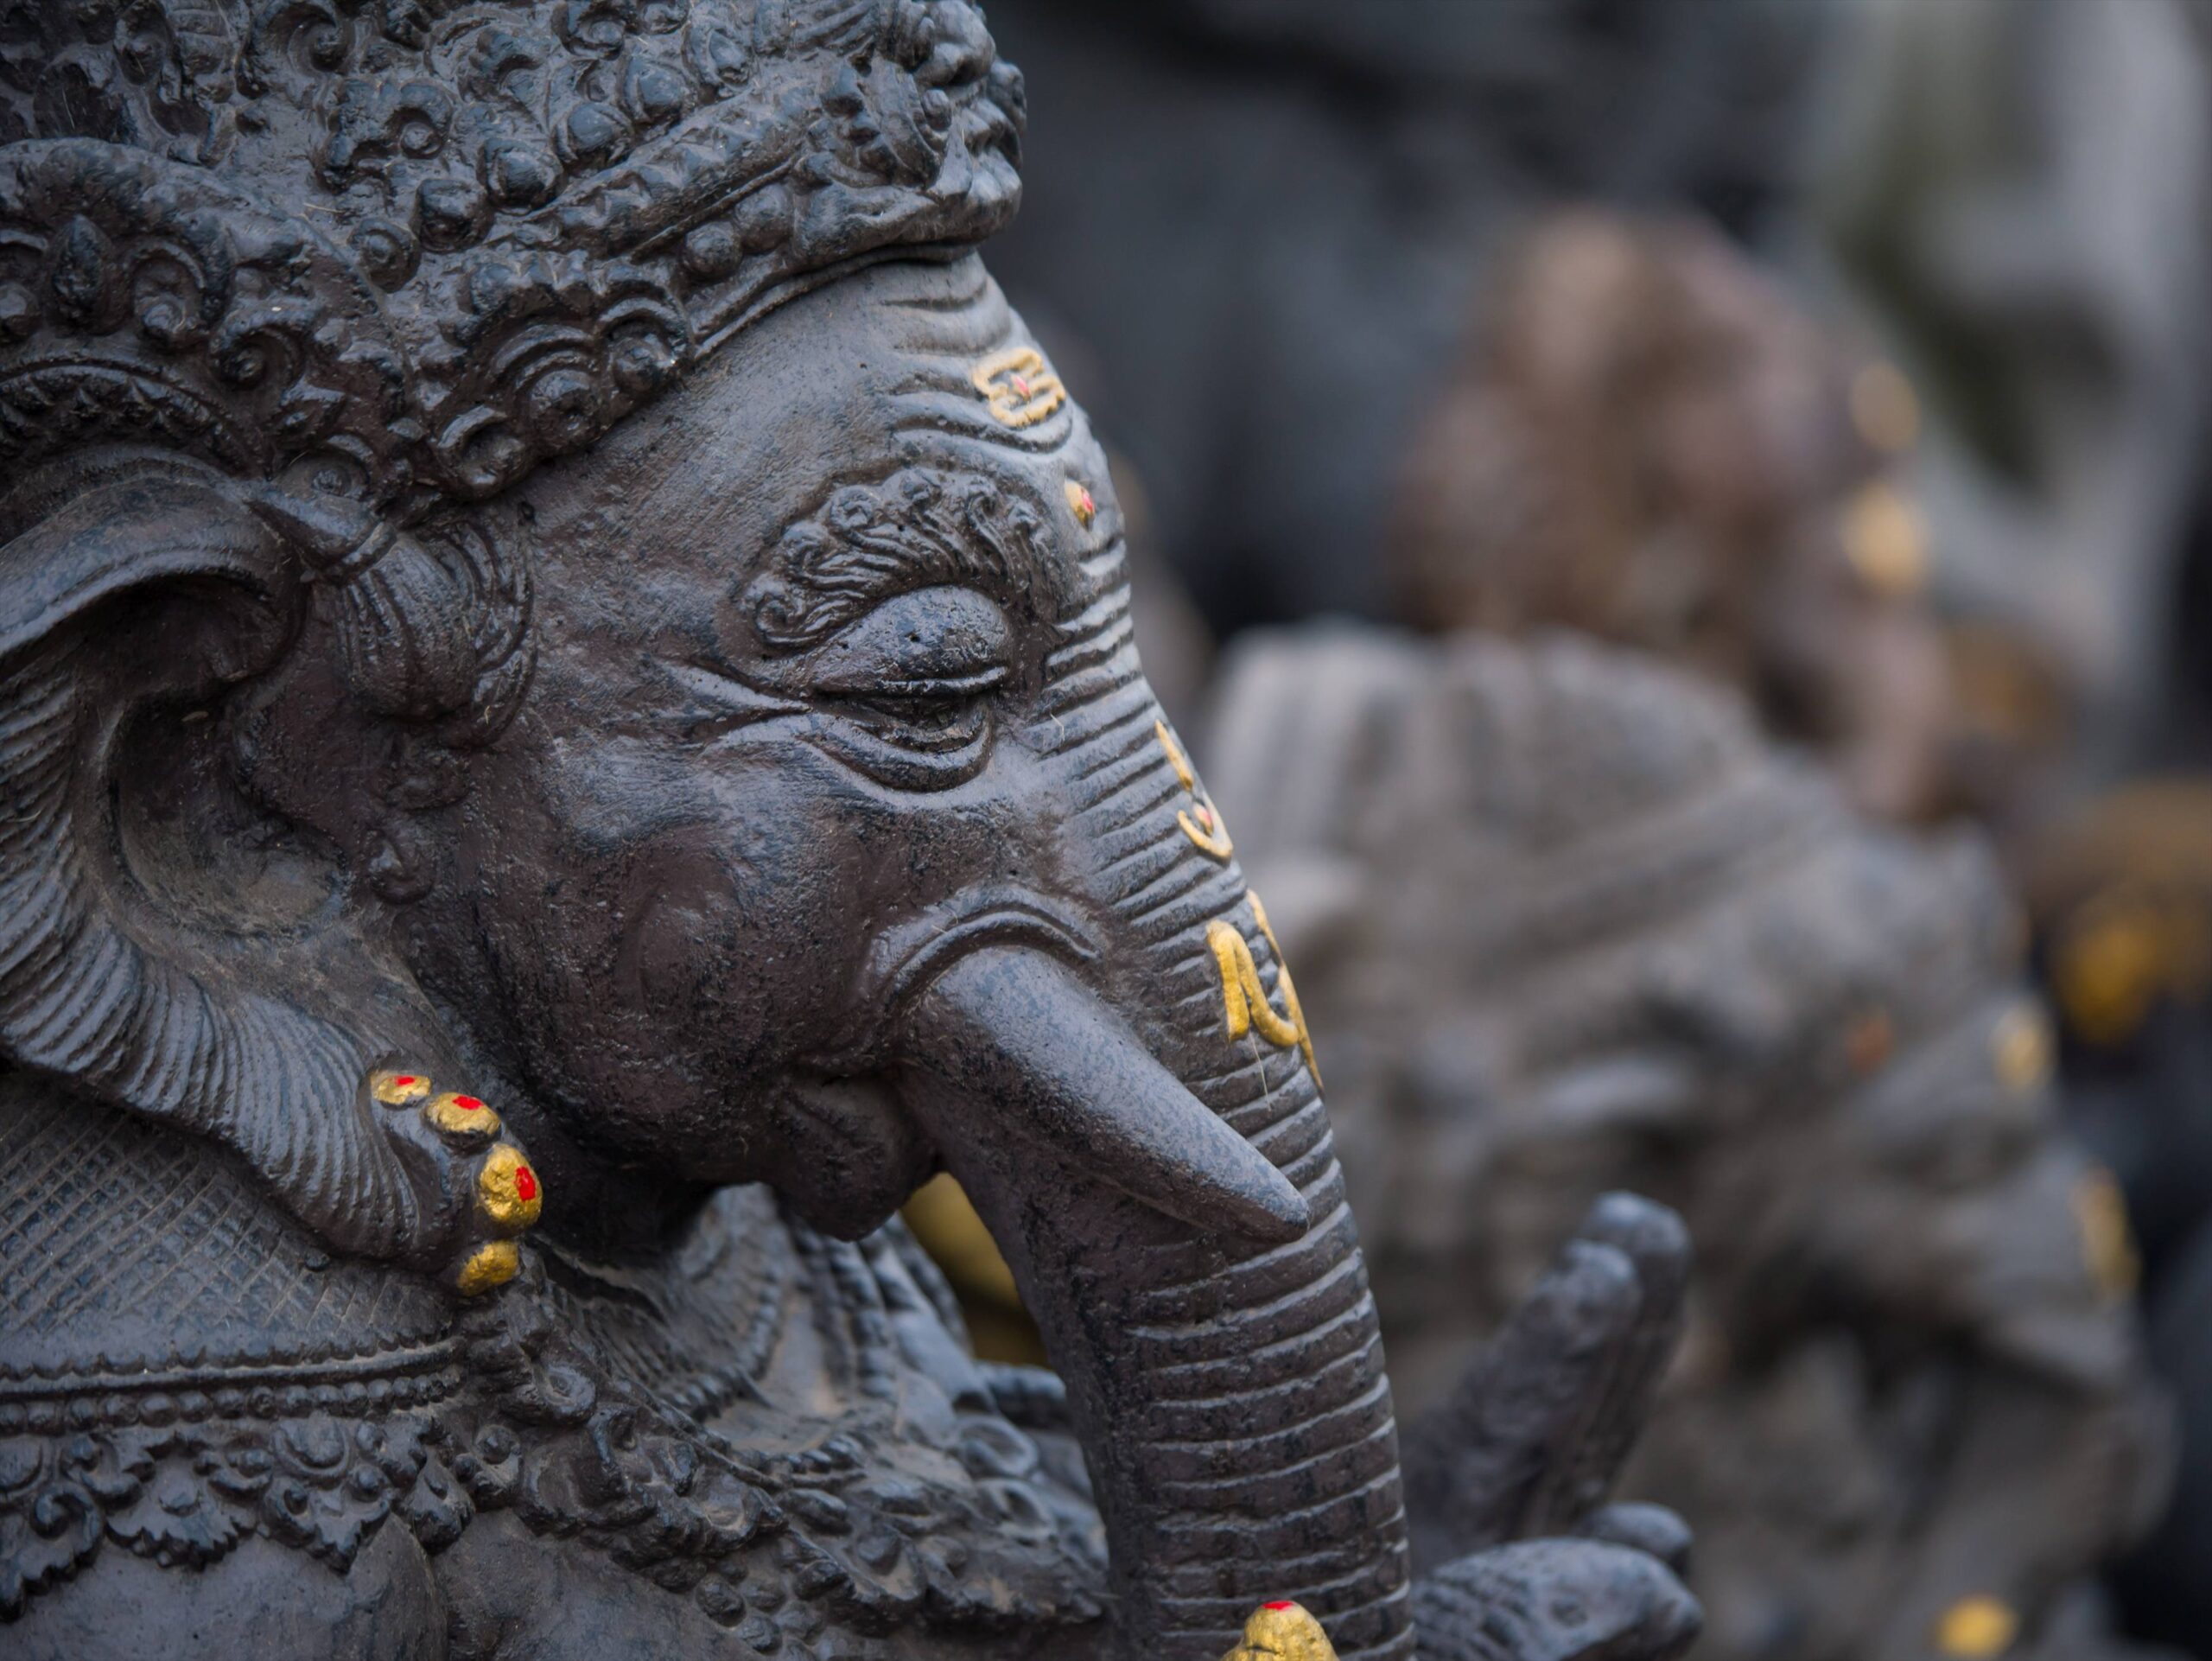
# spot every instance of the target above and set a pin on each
(679, 924)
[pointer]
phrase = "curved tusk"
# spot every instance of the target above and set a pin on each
(1023, 1048)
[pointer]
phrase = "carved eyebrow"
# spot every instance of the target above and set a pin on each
(918, 527)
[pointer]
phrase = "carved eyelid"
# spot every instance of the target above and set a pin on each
(944, 641)
(727, 692)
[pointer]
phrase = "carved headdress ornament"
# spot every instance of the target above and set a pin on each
(421, 246)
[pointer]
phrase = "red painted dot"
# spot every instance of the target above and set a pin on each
(1022, 385)
(406, 1080)
(525, 1184)
(468, 1103)
(1282, 1606)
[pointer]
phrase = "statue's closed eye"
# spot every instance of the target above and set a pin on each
(916, 670)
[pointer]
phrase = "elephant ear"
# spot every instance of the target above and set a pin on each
(165, 586)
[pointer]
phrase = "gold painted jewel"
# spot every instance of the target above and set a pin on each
(1081, 503)
(1282, 1631)
(1020, 387)
(1199, 822)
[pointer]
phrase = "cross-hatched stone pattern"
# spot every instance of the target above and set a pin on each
(105, 1218)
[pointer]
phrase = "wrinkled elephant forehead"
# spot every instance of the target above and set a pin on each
(977, 400)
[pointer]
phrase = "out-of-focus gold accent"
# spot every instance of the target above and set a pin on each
(508, 1189)
(2020, 1050)
(1885, 538)
(488, 1266)
(399, 1088)
(1244, 999)
(1977, 1628)
(1019, 385)
(1871, 1040)
(1885, 409)
(2121, 951)
(467, 1126)
(2107, 969)
(947, 1226)
(1282, 1631)
(2108, 1242)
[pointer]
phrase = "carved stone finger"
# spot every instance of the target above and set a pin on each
(1555, 1601)
(1479, 1464)
(484, 1189)
(1654, 1241)
(1652, 1530)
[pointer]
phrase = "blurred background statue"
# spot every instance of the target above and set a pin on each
(1561, 919)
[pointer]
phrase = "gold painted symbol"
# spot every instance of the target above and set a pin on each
(1020, 387)
(1199, 822)
(1282, 1631)
(1244, 1000)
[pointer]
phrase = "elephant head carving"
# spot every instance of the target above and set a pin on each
(615, 609)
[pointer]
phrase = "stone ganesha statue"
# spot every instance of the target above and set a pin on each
(1564, 922)
(567, 735)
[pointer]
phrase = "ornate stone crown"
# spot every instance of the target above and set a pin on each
(417, 246)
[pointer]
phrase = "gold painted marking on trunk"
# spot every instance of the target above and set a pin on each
(1282, 1631)
(1204, 827)
(1244, 999)
(1215, 842)
(1175, 756)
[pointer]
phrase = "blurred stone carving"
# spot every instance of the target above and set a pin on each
(1563, 922)
(1649, 442)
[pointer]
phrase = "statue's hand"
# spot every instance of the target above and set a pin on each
(1555, 1601)
(1530, 1444)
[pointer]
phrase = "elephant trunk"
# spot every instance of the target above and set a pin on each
(1173, 1210)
